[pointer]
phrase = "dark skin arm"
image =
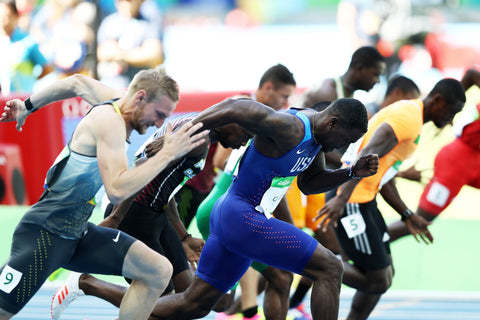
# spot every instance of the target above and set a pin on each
(192, 246)
(316, 179)
(118, 213)
(382, 141)
(276, 132)
(470, 78)
(282, 212)
(333, 159)
(415, 223)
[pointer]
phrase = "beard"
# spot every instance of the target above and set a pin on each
(141, 129)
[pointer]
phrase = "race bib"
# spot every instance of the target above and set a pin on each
(9, 279)
(353, 225)
(271, 198)
(438, 194)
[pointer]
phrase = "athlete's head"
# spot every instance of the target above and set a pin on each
(155, 95)
(231, 136)
(276, 86)
(343, 122)
(365, 68)
(401, 85)
(445, 100)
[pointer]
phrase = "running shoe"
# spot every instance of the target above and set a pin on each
(66, 294)
(258, 316)
(224, 316)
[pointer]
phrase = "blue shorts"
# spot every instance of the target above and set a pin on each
(239, 234)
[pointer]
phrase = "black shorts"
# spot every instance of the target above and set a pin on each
(155, 230)
(36, 253)
(369, 250)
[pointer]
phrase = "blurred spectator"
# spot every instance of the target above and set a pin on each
(127, 42)
(378, 23)
(64, 30)
(21, 62)
(416, 63)
(25, 10)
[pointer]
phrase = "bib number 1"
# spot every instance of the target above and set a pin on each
(271, 198)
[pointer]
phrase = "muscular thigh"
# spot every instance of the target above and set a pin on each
(35, 254)
(246, 232)
(362, 233)
(102, 250)
(219, 266)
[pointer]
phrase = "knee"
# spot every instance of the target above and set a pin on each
(334, 267)
(197, 310)
(165, 271)
(157, 273)
(285, 280)
(280, 280)
(330, 269)
(380, 285)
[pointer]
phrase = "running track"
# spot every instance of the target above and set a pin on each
(394, 305)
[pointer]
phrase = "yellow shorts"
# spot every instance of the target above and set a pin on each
(304, 208)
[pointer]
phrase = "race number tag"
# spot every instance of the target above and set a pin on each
(353, 225)
(438, 194)
(271, 198)
(9, 279)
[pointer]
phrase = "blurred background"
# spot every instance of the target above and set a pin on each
(213, 45)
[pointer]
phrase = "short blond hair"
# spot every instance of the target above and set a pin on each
(156, 82)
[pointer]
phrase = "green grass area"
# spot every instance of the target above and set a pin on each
(450, 263)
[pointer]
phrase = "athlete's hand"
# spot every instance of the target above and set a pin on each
(184, 139)
(411, 174)
(418, 227)
(156, 145)
(193, 247)
(365, 166)
(330, 213)
(14, 110)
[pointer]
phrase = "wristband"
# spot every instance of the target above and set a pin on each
(29, 105)
(352, 175)
(185, 237)
(405, 214)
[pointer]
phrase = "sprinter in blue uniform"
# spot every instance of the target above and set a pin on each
(286, 144)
